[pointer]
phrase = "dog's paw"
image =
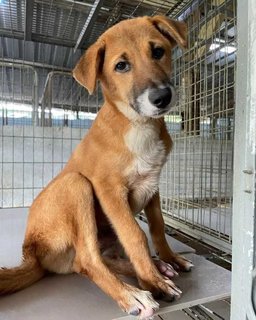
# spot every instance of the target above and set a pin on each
(161, 287)
(139, 303)
(178, 262)
(165, 269)
(168, 291)
(181, 263)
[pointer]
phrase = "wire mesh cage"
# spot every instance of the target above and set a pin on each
(196, 185)
(44, 112)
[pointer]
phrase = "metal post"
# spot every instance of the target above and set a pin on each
(86, 31)
(244, 219)
(46, 100)
(36, 102)
(29, 6)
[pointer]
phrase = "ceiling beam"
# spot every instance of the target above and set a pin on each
(52, 40)
(28, 19)
(68, 4)
(36, 64)
(13, 34)
(8, 33)
(86, 31)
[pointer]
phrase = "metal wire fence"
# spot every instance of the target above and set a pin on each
(196, 184)
(44, 112)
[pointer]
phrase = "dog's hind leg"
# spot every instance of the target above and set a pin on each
(124, 267)
(89, 262)
(120, 266)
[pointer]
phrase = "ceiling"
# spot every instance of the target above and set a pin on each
(70, 24)
(51, 35)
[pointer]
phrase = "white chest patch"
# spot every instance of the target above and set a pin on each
(149, 156)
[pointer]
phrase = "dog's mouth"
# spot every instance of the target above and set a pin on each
(155, 102)
(161, 113)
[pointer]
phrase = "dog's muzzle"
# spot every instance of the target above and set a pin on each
(156, 101)
(160, 97)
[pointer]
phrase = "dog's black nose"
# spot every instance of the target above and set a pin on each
(160, 98)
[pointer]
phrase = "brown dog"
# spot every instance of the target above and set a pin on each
(113, 174)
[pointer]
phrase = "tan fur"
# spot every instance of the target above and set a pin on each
(112, 174)
(20, 277)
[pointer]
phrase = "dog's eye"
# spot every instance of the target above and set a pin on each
(122, 66)
(157, 53)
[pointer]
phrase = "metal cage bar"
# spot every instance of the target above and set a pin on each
(196, 187)
(196, 183)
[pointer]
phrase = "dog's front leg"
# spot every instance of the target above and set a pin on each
(114, 201)
(156, 227)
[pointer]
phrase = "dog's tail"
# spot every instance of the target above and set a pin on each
(15, 279)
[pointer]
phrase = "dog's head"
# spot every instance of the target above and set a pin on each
(132, 60)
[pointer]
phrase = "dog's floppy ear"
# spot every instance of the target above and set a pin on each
(174, 31)
(89, 66)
